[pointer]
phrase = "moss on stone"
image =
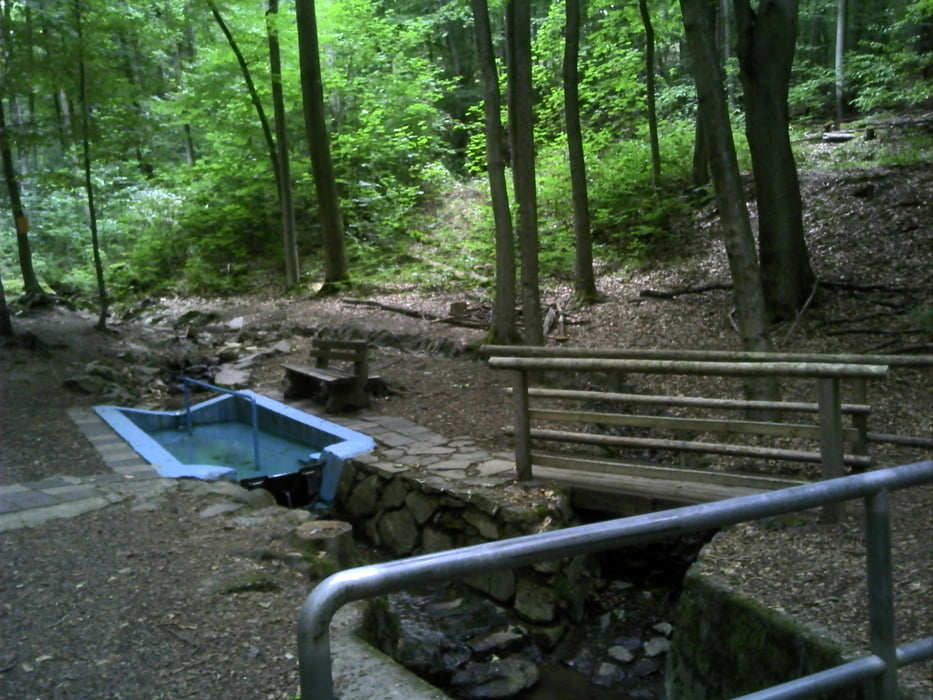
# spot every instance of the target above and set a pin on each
(728, 645)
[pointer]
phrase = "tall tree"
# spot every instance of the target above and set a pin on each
(336, 268)
(521, 126)
(31, 284)
(286, 200)
(30, 281)
(103, 299)
(699, 24)
(6, 322)
(503, 328)
(766, 38)
(839, 56)
(650, 100)
(584, 281)
(700, 166)
(251, 89)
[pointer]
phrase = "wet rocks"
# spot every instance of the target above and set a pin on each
(499, 678)
(455, 640)
(474, 648)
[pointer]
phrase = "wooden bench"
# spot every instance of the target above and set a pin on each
(689, 425)
(337, 389)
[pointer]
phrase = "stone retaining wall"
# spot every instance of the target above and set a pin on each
(728, 645)
(408, 510)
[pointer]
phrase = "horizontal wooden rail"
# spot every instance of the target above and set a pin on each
(905, 440)
(687, 367)
(700, 425)
(689, 401)
(654, 471)
(563, 351)
(859, 461)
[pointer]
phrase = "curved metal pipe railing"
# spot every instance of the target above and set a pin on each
(254, 411)
(314, 656)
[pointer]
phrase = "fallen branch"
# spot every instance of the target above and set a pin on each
(424, 316)
(853, 287)
(918, 349)
(661, 294)
(875, 331)
(858, 319)
(420, 315)
(801, 311)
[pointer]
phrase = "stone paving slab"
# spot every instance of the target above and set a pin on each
(30, 499)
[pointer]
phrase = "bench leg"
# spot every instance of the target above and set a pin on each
(301, 386)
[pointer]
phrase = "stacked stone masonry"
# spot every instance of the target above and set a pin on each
(421, 493)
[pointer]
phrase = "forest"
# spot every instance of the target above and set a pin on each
(174, 146)
(220, 183)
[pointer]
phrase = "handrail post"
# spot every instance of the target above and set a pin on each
(522, 425)
(832, 447)
(186, 390)
(880, 590)
(254, 415)
(315, 668)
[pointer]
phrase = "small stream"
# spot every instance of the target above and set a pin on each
(470, 647)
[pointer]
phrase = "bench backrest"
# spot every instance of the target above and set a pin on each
(325, 350)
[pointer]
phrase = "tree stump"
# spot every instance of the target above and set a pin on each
(328, 545)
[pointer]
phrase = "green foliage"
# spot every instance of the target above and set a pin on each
(890, 77)
(401, 88)
(383, 95)
(811, 91)
(890, 67)
(611, 67)
(631, 222)
(450, 244)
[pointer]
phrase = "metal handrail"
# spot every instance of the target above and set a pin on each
(378, 579)
(254, 411)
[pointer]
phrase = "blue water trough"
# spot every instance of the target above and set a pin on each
(241, 436)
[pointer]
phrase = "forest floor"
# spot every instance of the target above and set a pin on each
(107, 604)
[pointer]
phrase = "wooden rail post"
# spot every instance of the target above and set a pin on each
(860, 420)
(832, 446)
(522, 425)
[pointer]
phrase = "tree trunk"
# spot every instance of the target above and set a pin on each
(840, 59)
(251, 89)
(521, 121)
(185, 50)
(584, 281)
(6, 322)
(730, 195)
(765, 49)
(649, 95)
(30, 282)
(286, 201)
(336, 269)
(700, 172)
(104, 302)
(503, 328)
